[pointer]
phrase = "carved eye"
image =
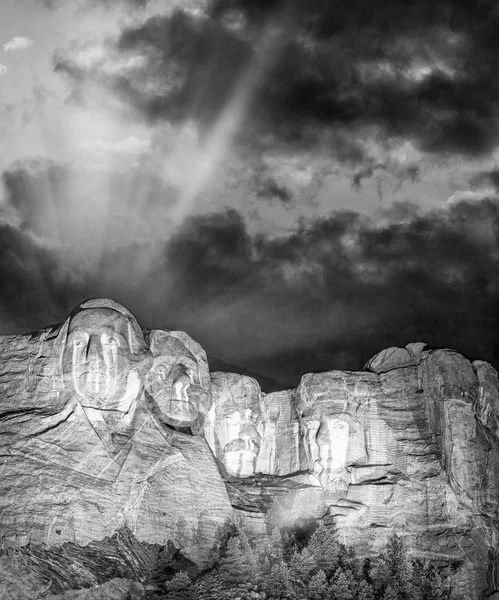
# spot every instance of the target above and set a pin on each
(161, 372)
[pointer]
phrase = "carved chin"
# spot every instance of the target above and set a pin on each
(176, 410)
(240, 463)
(99, 387)
(177, 413)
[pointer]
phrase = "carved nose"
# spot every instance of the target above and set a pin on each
(94, 348)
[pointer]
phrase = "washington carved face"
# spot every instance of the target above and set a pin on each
(97, 356)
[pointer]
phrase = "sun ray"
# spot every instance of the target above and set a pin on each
(218, 141)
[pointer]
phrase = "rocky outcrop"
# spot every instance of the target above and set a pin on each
(120, 454)
(410, 447)
(114, 589)
(395, 358)
(89, 449)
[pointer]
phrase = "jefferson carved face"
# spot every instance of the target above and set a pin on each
(176, 390)
(175, 381)
(97, 356)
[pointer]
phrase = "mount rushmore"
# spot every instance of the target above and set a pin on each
(117, 444)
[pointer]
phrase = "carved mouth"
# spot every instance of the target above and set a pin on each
(240, 463)
(92, 384)
(242, 445)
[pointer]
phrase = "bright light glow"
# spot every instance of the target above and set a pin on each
(17, 43)
(211, 152)
(472, 195)
(130, 145)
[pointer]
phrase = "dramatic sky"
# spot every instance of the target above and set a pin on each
(296, 184)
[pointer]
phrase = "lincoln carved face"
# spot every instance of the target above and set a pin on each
(98, 357)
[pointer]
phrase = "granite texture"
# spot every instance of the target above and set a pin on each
(120, 451)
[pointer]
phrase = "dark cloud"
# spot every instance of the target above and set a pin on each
(329, 295)
(35, 288)
(486, 177)
(335, 292)
(424, 72)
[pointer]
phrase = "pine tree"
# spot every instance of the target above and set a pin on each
(278, 583)
(343, 585)
(276, 546)
(302, 565)
(179, 587)
(249, 555)
(399, 567)
(390, 594)
(224, 533)
(289, 543)
(348, 560)
(324, 547)
(438, 586)
(318, 588)
(211, 587)
(262, 548)
(237, 565)
(379, 574)
(266, 566)
(365, 591)
(428, 582)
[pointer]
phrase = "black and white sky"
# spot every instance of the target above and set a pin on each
(297, 184)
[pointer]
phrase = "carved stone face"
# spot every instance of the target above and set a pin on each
(176, 382)
(176, 389)
(332, 440)
(234, 429)
(242, 442)
(97, 357)
(326, 439)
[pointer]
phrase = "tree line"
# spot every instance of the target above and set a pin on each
(314, 566)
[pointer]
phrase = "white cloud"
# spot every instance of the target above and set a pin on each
(17, 43)
(3, 69)
(130, 145)
(472, 195)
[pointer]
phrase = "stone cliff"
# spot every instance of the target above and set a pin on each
(119, 450)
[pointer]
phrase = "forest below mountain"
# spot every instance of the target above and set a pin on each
(308, 565)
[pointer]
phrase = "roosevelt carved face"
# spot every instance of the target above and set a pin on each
(234, 428)
(97, 357)
(241, 442)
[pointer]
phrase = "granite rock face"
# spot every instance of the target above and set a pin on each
(87, 450)
(409, 448)
(119, 450)
(250, 432)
